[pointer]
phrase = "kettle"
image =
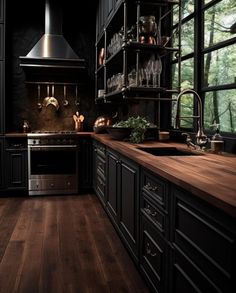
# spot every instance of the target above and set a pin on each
(102, 122)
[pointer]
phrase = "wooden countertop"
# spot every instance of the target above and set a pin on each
(209, 176)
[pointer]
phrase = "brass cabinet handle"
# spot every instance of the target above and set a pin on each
(149, 251)
(150, 212)
(150, 187)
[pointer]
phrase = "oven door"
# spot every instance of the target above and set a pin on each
(53, 169)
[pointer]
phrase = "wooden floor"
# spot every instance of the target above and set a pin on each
(62, 244)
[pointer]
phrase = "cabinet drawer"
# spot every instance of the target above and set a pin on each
(100, 185)
(153, 256)
(154, 214)
(156, 188)
(101, 164)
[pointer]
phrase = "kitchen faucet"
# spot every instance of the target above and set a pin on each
(201, 138)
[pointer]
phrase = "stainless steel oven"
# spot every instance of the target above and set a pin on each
(52, 164)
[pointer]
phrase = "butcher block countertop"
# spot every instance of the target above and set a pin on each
(208, 176)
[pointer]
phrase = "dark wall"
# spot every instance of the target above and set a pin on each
(24, 27)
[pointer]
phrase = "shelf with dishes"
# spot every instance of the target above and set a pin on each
(134, 53)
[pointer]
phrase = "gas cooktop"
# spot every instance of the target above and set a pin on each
(39, 133)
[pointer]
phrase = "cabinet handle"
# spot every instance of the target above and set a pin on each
(150, 212)
(100, 181)
(150, 187)
(149, 251)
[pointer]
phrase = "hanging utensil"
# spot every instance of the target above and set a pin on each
(39, 105)
(65, 101)
(46, 100)
(51, 100)
(77, 102)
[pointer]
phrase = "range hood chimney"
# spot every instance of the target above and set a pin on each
(52, 50)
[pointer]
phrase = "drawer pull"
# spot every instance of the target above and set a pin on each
(150, 212)
(150, 187)
(100, 181)
(149, 251)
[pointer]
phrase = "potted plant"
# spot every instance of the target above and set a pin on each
(137, 125)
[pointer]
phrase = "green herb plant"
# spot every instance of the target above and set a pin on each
(139, 126)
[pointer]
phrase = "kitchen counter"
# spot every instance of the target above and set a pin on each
(210, 177)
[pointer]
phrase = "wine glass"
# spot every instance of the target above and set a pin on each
(156, 71)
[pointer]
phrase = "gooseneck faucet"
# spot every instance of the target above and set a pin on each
(201, 138)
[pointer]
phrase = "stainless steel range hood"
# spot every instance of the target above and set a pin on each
(52, 50)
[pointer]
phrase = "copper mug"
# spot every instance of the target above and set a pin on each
(101, 57)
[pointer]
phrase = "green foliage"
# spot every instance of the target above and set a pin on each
(139, 126)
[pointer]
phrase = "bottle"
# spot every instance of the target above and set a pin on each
(26, 127)
(217, 143)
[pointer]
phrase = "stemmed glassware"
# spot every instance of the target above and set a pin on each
(148, 71)
(156, 71)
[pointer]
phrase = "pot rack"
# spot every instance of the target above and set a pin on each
(52, 83)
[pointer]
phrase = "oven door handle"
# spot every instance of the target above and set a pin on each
(50, 147)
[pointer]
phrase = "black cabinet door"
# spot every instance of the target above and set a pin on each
(16, 170)
(204, 241)
(85, 163)
(2, 97)
(1, 41)
(2, 3)
(128, 212)
(112, 185)
(1, 164)
(99, 175)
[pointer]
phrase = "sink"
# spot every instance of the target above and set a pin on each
(168, 151)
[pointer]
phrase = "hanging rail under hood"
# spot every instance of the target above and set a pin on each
(52, 50)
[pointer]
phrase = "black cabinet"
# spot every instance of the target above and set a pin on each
(2, 9)
(113, 169)
(204, 246)
(2, 96)
(1, 41)
(2, 65)
(153, 256)
(154, 234)
(123, 198)
(1, 160)
(181, 243)
(16, 162)
(129, 204)
(99, 171)
(85, 163)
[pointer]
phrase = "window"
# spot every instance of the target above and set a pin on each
(208, 61)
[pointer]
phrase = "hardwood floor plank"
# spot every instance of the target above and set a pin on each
(50, 278)
(9, 265)
(62, 244)
(9, 217)
(29, 273)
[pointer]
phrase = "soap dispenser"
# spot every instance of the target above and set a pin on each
(217, 143)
